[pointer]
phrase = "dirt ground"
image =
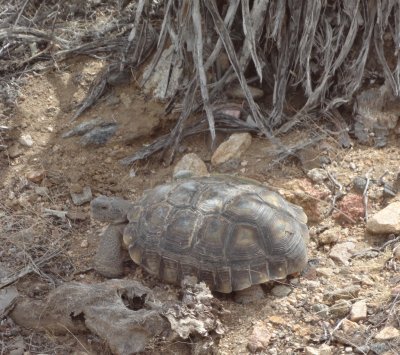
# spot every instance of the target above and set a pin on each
(36, 179)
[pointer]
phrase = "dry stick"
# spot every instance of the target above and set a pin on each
(8, 280)
(20, 13)
(378, 250)
(365, 194)
(338, 194)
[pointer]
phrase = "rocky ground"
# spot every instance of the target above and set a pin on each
(347, 301)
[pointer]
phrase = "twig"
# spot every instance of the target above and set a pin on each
(365, 194)
(338, 192)
(377, 250)
(8, 280)
(21, 11)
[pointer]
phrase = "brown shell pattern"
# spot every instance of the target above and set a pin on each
(229, 232)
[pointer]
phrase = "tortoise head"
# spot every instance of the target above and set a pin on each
(109, 209)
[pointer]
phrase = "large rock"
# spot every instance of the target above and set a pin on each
(233, 148)
(385, 221)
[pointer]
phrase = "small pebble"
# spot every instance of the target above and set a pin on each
(26, 140)
(84, 243)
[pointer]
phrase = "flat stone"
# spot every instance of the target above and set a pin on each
(99, 135)
(83, 197)
(387, 333)
(341, 253)
(328, 237)
(232, 148)
(281, 291)
(192, 164)
(385, 221)
(26, 140)
(347, 293)
(259, 338)
(358, 311)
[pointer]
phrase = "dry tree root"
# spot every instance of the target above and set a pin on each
(317, 50)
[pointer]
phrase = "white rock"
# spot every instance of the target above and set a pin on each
(26, 140)
(385, 221)
(84, 243)
(317, 175)
(232, 148)
(387, 333)
(192, 164)
(358, 311)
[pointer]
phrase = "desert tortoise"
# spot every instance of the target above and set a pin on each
(228, 232)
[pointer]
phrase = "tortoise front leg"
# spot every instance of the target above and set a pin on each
(108, 260)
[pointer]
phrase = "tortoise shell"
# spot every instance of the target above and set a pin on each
(228, 232)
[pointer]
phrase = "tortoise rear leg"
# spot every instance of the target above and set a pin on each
(108, 260)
